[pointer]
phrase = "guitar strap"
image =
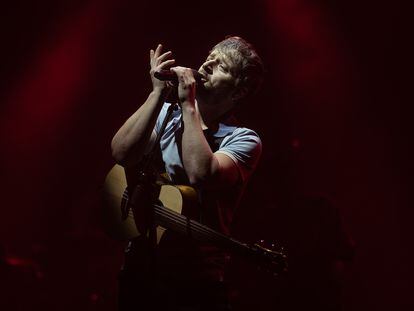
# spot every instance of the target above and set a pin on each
(150, 163)
(155, 153)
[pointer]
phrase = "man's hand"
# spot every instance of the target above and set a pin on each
(158, 62)
(186, 85)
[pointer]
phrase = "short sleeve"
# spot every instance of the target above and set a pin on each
(244, 147)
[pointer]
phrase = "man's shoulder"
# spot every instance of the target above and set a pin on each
(244, 145)
(243, 134)
(231, 127)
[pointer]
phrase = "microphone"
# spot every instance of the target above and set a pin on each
(167, 75)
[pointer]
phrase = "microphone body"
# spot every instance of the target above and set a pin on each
(167, 75)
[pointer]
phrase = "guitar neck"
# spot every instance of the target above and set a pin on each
(172, 220)
(182, 224)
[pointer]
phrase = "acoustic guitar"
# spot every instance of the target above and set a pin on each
(168, 215)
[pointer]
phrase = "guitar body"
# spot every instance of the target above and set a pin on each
(176, 198)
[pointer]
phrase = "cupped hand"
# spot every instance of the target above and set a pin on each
(186, 84)
(159, 62)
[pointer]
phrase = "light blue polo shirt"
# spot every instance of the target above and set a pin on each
(241, 144)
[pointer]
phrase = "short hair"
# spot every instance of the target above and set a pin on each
(248, 69)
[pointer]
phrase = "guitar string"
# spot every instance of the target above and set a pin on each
(184, 224)
(195, 226)
(182, 221)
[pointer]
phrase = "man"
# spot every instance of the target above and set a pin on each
(201, 146)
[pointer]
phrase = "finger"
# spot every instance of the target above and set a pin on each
(189, 73)
(158, 50)
(164, 56)
(167, 63)
(188, 77)
(177, 69)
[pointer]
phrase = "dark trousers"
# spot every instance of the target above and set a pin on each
(138, 294)
(143, 286)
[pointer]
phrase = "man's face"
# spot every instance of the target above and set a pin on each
(217, 72)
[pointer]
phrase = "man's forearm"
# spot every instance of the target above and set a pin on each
(198, 159)
(129, 143)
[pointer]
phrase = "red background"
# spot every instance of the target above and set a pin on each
(334, 115)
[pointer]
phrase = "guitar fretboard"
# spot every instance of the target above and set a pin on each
(172, 220)
(182, 224)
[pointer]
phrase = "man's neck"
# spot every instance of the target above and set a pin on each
(211, 113)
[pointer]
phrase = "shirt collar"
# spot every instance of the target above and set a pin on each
(227, 127)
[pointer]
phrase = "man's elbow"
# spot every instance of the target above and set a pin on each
(120, 154)
(204, 180)
(196, 180)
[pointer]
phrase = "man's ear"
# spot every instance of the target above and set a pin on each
(239, 93)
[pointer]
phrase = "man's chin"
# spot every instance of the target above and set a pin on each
(203, 87)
